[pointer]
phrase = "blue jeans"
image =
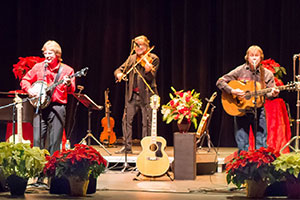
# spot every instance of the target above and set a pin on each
(242, 127)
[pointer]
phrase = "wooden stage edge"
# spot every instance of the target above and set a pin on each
(203, 155)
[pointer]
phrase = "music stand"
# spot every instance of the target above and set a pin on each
(91, 105)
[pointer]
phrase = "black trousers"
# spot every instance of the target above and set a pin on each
(52, 125)
(131, 108)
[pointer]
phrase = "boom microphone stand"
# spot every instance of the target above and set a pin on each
(296, 137)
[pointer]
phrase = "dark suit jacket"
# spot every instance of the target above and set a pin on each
(145, 93)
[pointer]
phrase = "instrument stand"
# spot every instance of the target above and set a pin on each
(152, 177)
(87, 102)
(206, 133)
(296, 137)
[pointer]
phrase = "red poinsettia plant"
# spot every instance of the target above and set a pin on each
(251, 165)
(277, 70)
(82, 161)
(24, 65)
(183, 105)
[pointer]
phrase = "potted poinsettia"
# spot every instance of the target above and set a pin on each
(19, 162)
(253, 168)
(77, 165)
(288, 166)
(183, 106)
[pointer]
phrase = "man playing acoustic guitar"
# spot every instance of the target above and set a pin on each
(247, 74)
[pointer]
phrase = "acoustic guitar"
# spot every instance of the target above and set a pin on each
(19, 135)
(46, 90)
(153, 160)
(108, 136)
(205, 116)
(237, 107)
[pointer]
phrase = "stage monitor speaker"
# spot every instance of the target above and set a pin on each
(184, 156)
(206, 168)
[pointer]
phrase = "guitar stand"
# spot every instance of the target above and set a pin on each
(206, 133)
(87, 102)
(139, 173)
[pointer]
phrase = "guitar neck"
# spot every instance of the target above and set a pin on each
(153, 126)
(54, 85)
(267, 90)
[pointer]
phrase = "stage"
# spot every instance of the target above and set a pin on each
(119, 183)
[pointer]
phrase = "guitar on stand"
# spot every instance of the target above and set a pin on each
(18, 138)
(202, 130)
(153, 160)
(108, 136)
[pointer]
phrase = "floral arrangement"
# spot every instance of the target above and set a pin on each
(288, 165)
(277, 70)
(24, 65)
(21, 160)
(82, 161)
(251, 165)
(183, 105)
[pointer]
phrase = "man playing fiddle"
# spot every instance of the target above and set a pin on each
(137, 97)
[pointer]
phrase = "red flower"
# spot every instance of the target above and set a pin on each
(24, 65)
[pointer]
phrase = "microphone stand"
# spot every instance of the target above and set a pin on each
(255, 106)
(38, 110)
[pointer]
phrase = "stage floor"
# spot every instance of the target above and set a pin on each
(119, 183)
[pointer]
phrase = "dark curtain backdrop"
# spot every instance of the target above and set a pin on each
(196, 40)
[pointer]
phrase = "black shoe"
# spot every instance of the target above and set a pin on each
(122, 150)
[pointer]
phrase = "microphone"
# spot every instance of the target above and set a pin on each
(254, 64)
(137, 44)
(46, 62)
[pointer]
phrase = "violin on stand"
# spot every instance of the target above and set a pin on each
(108, 136)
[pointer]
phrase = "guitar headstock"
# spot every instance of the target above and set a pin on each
(154, 102)
(213, 96)
(18, 101)
(292, 86)
(82, 72)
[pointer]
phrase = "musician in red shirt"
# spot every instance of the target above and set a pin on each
(53, 116)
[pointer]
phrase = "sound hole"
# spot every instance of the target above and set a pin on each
(153, 147)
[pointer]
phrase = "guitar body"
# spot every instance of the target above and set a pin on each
(234, 106)
(202, 125)
(153, 160)
(108, 136)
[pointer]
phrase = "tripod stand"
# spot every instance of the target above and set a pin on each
(87, 102)
(206, 132)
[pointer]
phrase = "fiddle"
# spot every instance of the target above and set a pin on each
(108, 136)
(145, 59)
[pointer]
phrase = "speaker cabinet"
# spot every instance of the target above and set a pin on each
(184, 156)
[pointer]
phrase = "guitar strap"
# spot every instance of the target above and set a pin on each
(56, 79)
(262, 77)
